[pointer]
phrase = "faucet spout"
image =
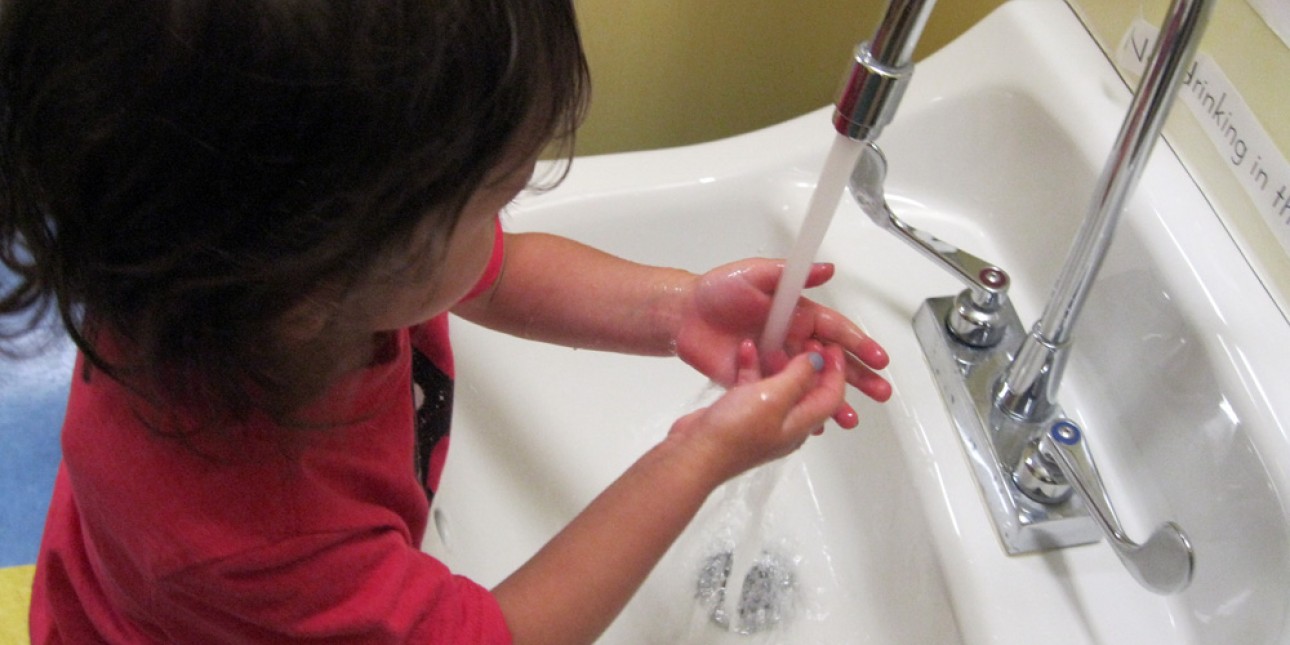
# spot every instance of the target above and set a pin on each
(880, 71)
(1028, 387)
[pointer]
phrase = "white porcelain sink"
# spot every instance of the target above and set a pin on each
(1179, 374)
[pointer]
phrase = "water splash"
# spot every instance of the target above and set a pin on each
(754, 489)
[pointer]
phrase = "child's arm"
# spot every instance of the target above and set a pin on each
(560, 291)
(573, 588)
(556, 290)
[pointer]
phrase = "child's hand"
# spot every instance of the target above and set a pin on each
(574, 586)
(731, 303)
(760, 420)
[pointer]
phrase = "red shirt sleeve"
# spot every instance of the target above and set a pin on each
(494, 269)
(431, 337)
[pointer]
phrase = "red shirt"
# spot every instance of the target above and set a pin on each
(149, 540)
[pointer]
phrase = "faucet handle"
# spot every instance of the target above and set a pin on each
(977, 316)
(1163, 564)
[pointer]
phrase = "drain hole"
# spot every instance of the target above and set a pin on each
(766, 593)
(711, 591)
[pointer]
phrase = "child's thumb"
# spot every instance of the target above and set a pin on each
(786, 388)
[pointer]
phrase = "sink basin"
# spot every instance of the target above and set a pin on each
(1177, 375)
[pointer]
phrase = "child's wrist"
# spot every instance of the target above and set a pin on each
(668, 307)
(699, 454)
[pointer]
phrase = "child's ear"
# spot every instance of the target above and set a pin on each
(309, 318)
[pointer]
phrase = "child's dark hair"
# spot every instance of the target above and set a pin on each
(176, 175)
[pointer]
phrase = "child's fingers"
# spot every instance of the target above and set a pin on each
(747, 363)
(832, 327)
(845, 415)
(774, 361)
(784, 390)
(820, 273)
(823, 398)
(801, 394)
(765, 275)
(872, 384)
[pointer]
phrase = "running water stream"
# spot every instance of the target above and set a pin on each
(760, 484)
(819, 213)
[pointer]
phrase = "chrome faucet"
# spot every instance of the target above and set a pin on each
(999, 381)
(1028, 389)
(880, 71)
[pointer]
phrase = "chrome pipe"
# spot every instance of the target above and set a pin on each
(1028, 389)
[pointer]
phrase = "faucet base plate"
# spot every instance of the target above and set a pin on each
(992, 440)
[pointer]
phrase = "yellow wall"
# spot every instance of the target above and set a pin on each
(1258, 64)
(15, 598)
(674, 72)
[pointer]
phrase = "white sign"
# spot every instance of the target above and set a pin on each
(1238, 137)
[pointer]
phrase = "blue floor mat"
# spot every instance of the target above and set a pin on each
(33, 400)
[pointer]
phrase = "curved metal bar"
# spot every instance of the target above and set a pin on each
(1028, 389)
(976, 318)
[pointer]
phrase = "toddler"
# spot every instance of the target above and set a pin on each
(253, 218)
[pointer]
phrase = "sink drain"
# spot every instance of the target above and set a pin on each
(765, 595)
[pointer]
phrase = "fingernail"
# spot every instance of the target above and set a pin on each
(817, 361)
